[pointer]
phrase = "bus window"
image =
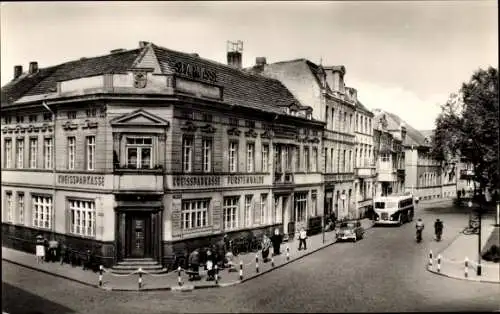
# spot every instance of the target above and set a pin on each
(380, 205)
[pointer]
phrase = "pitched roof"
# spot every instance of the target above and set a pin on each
(45, 80)
(240, 88)
(413, 136)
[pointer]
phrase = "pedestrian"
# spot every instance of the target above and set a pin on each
(194, 264)
(40, 248)
(266, 245)
(210, 266)
(53, 244)
(302, 239)
(276, 240)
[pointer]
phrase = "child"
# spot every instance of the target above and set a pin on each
(40, 249)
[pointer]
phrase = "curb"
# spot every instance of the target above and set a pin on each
(178, 288)
(50, 273)
(459, 278)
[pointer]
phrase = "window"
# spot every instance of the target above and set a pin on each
(332, 163)
(9, 206)
(7, 120)
(20, 153)
(33, 118)
(233, 121)
(265, 158)
(249, 124)
(139, 152)
(278, 217)
(20, 119)
(47, 117)
(233, 156)
(47, 153)
(91, 154)
(326, 117)
(306, 159)
(314, 166)
(42, 211)
(326, 160)
(207, 155)
(248, 210)
(297, 158)
(314, 205)
(349, 166)
(301, 205)
(20, 207)
(250, 157)
(91, 112)
(71, 152)
(263, 208)
(33, 152)
(8, 153)
(82, 217)
(187, 154)
(195, 214)
(207, 117)
(71, 114)
(186, 114)
(344, 161)
(231, 205)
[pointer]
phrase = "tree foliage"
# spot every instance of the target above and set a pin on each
(468, 126)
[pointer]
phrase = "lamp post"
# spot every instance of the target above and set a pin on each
(480, 213)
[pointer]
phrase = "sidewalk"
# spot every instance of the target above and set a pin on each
(453, 258)
(169, 281)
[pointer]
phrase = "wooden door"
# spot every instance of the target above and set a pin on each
(138, 235)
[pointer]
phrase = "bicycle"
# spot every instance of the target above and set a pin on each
(471, 230)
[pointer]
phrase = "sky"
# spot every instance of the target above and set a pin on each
(402, 57)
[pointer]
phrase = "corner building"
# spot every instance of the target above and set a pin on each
(150, 152)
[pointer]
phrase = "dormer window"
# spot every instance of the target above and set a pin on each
(309, 116)
(71, 114)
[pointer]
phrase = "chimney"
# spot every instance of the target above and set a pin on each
(353, 93)
(143, 44)
(33, 67)
(260, 61)
(234, 59)
(234, 53)
(194, 54)
(18, 70)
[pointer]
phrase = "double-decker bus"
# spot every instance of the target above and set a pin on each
(394, 209)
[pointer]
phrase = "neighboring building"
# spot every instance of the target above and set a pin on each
(364, 163)
(153, 152)
(323, 89)
(424, 176)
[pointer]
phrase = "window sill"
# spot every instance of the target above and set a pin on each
(138, 171)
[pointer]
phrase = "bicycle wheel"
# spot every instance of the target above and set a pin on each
(469, 231)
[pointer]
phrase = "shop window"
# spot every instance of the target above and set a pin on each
(230, 212)
(195, 214)
(42, 211)
(82, 221)
(139, 152)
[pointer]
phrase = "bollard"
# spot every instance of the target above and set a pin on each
(287, 253)
(179, 279)
(256, 263)
(216, 275)
(272, 261)
(466, 270)
(100, 275)
(430, 258)
(479, 269)
(140, 278)
(439, 263)
(241, 270)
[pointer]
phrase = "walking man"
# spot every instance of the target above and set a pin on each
(302, 239)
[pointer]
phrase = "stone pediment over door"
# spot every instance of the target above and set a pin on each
(139, 118)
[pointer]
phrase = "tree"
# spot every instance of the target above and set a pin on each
(468, 126)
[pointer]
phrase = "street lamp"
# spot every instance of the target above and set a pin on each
(480, 212)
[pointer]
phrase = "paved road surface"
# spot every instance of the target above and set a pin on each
(383, 272)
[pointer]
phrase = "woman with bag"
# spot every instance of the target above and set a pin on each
(266, 245)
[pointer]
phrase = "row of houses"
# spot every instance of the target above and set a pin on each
(148, 152)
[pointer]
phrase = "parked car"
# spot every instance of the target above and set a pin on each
(350, 230)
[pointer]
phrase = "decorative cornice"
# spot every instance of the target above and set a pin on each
(89, 124)
(69, 126)
(189, 127)
(208, 129)
(234, 131)
(251, 133)
(267, 134)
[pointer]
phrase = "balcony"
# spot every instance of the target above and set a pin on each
(466, 174)
(283, 178)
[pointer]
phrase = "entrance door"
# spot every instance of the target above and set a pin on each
(139, 235)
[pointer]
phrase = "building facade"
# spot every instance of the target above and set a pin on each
(323, 89)
(150, 152)
(364, 164)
